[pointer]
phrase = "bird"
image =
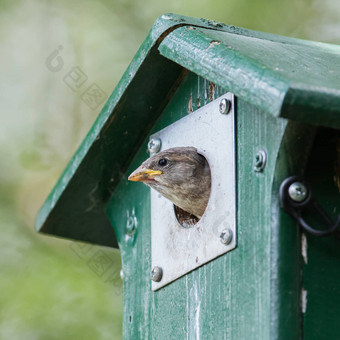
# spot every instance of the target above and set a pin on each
(180, 174)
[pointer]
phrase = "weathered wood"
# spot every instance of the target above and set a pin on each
(285, 77)
(255, 291)
(252, 292)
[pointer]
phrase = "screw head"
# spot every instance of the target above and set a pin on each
(131, 225)
(297, 191)
(226, 236)
(224, 106)
(156, 274)
(154, 145)
(260, 160)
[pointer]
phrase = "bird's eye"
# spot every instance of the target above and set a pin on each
(163, 162)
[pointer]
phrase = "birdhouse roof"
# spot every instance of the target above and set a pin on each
(286, 77)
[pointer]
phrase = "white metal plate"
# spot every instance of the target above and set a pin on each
(179, 250)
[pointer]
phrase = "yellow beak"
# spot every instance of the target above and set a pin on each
(141, 174)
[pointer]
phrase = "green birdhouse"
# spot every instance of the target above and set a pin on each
(263, 262)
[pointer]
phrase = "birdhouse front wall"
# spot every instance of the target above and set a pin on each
(276, 282)
(235, 289)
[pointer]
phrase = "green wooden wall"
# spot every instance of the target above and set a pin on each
(277, 284)
(253, 292)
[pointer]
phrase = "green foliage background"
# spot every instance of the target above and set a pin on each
(47, 290)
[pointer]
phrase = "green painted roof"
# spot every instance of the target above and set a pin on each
(285, 77)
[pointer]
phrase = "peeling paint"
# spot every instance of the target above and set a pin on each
(194, 313)
(212, 87)
(190, 104)
(303, 300)
(214, 43)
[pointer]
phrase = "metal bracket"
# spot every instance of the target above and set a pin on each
(177, 250)
(296, 198)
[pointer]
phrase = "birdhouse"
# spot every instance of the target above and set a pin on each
(263, 261)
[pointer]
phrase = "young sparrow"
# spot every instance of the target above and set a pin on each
(181, 175)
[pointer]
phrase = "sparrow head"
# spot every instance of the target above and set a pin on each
(180, 174)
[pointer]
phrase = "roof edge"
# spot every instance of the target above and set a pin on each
(163, 25)
(225, 67)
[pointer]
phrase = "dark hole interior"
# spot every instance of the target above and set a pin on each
(185, 219)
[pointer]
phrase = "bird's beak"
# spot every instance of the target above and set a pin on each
(142, 174)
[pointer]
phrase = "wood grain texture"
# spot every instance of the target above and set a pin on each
(242, 294)
(285, 77)
(253, 292)
(263, 69)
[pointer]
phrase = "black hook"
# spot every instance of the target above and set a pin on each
(296, 196)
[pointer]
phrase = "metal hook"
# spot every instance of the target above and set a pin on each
(296, 196)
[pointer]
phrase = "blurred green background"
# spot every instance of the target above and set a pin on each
(49, 289)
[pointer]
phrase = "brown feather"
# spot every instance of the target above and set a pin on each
(185, 179)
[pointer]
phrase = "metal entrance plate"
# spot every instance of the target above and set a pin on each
(178, 250)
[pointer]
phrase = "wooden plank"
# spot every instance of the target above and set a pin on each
(260, 68)
(243, 294)
(287, 78)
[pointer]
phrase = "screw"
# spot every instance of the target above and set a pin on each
(260, 160)
(225, 106)
(131, 224)
(297, 191)
(154, 145)
(156, 274)
(226, 236)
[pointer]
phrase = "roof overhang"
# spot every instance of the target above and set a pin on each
(286, 77)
